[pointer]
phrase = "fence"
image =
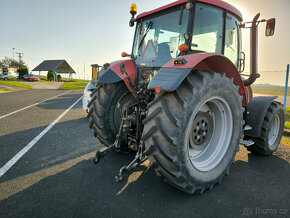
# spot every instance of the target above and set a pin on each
(273, 83)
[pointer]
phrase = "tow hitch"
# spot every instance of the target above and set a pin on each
(139, 159)
(124, 128)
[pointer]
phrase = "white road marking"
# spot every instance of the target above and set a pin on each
(14, 112)
(12, 161)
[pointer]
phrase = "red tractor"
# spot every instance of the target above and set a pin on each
(179, 99)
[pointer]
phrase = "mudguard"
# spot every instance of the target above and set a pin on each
(170, 76)
(108, 76)
(112, 74)
(256, 112)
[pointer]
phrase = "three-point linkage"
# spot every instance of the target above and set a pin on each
(139, 159)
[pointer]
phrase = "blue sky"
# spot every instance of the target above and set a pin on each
(92, 31)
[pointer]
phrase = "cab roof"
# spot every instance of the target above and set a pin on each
(217, 3)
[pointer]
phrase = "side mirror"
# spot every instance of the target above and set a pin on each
(270, 27)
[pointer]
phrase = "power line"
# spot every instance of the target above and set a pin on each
(20, 56)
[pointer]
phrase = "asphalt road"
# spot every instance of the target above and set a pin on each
(56, 177)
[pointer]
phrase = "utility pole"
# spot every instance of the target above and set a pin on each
(13, 60)
(84, 71)
(20, 56)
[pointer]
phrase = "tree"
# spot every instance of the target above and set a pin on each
(21, 67)
(50, 75)
(58, 77)
(22, 72)
(9, 62)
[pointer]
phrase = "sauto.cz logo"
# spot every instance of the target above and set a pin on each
(246, 211)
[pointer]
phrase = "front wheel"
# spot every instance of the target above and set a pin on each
(191, 135)
(271, 132)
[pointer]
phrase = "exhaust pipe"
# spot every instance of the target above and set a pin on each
(254, 53)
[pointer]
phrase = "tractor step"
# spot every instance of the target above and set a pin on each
(247, 143)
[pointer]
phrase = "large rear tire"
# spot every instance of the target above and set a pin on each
(271, 132)
(192, 134)
(104, 116)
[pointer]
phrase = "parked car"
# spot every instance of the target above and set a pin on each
(87, 93)
(3, 76)
(31, 78)
(25, 76)
(12, 75)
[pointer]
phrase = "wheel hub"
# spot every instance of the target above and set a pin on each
(210, 133)
(274, 132)
(202, 128)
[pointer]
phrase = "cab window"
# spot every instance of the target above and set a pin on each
(207, 29)
(232, 46)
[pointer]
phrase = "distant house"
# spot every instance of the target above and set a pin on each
(13, 71)
(4, 69)
(57, 66)
(9, 72)
(9, 69)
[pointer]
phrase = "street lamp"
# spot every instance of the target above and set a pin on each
(13, 60)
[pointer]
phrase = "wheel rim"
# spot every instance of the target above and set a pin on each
(210, 133)
(274, 132)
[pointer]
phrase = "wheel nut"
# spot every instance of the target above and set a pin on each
(197, 128)
(204, 133)
(198, 137)
(203, 125)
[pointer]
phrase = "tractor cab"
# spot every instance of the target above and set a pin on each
(187, 29)
(175, 31)
(194, 27)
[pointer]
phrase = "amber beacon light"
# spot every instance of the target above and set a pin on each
(133, 9)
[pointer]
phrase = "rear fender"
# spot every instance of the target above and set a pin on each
(256, 112)
(170, 76)
(112, 74)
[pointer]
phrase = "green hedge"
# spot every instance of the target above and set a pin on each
(22, 72)
(50, 75)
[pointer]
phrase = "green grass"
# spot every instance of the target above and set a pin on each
(80, 80)
(287, 125)
(77, 86)
(16, 84)
(269, 89)
(5, 89)
(285, 141)
(287, 118)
